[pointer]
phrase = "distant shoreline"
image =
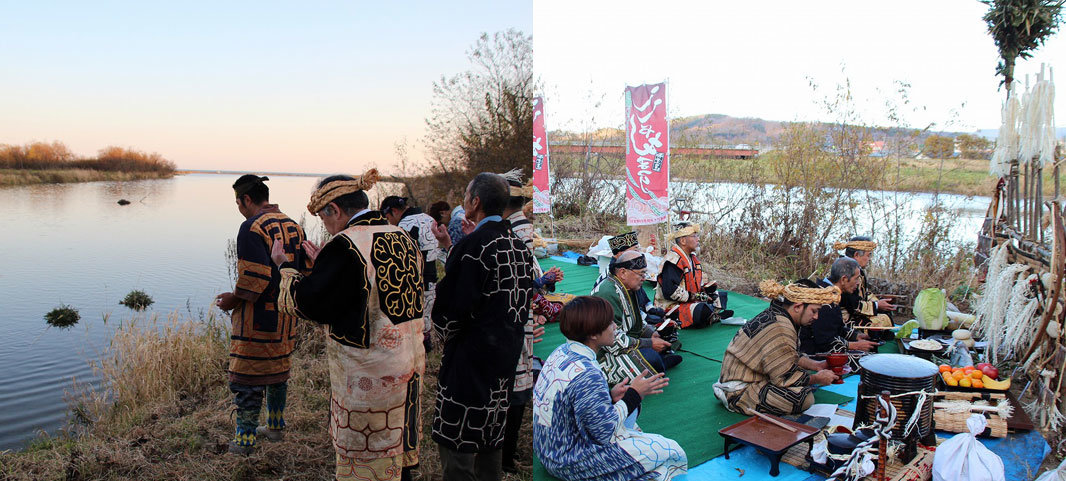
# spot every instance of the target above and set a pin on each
(20, 177)
(242, 172)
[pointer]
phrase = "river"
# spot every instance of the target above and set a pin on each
(73, 244)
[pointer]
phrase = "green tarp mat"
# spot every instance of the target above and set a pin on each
(687, 410)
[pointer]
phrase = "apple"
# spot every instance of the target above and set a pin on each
(981, 365)
(990, 371)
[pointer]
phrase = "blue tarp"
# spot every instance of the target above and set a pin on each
(1022, 454)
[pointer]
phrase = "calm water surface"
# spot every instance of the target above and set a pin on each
(72, 244)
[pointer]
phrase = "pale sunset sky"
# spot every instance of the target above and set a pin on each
(243, 85)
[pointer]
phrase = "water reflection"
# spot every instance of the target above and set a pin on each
(73, 244)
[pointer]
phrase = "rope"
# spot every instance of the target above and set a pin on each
(860, 462)
(799, 294)
(912, 422)
(699, 355)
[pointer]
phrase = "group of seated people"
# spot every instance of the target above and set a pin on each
(590, 390)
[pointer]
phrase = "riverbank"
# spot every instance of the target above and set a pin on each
(17, 177)
(177, 425)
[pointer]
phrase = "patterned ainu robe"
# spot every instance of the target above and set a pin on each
(366, 288)
(681, 283)
(261, 338)
(481, 311)
(760, 370)
(420, 226)
(523, 381)
(622, 360)
(580, 434)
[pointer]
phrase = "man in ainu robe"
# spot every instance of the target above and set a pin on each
(681, 283)
(419, 226)
(763, 369)
(481, 312)
(834, 330)
(540, 310)
(262, 339)
(366, 288)
(864, 307)
(637, 346)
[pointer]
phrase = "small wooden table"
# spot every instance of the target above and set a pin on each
(769, 439)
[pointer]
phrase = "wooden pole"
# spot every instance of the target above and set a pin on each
(1039, 204)
(882, 444)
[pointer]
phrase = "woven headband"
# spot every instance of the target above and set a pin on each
(622, 242)
(859, 245)
(635, 264)
(329, 192)
(524, 191)
(245, 187)
(682, 232)
(799, 294)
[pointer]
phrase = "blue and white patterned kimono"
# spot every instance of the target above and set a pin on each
(579, 434)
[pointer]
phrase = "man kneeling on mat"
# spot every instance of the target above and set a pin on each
(762, 370)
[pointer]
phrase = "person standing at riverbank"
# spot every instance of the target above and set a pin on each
(419, 226)
(481, 311)
(261, 339)
(366, 287)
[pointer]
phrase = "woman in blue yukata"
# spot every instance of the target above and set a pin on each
(584, 430)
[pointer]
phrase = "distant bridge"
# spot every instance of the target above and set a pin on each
(620, 150)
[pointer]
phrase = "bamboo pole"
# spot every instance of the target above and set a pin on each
(1023, 211)
(1039, 204)
(1057, 259)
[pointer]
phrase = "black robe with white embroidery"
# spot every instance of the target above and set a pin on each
(481, 309)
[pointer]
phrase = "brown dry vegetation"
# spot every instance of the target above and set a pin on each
(53, 162)
(169, 414)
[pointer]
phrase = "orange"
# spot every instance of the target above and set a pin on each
(964, 382)
(967, 369)
(945, 368)
(951, 381)
(978, 384)
(958, 375)
(976, 375)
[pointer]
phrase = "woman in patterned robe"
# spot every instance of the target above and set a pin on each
(583, 430)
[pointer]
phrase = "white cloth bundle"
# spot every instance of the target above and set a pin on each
(963, 458)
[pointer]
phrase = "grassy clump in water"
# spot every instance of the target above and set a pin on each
(63, 316)
(137, 300)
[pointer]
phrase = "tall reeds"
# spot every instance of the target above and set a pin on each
(56, 155)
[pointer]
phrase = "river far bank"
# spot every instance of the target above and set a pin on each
(17, 177)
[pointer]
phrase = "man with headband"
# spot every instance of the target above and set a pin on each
(366, 288)
(681, 282)
(864, 307)
(261, 338)
(762, 370)
(637, 346)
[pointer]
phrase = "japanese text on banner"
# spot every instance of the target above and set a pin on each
(541, 173)
(647, 155)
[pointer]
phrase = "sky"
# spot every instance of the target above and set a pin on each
(756, 59)
(237, 85)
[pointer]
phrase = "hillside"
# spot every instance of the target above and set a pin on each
(725, 130)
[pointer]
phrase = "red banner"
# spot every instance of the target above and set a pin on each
(647, 155)
(541, 174)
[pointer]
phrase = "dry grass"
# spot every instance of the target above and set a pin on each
(12, 177)
(169, 414)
